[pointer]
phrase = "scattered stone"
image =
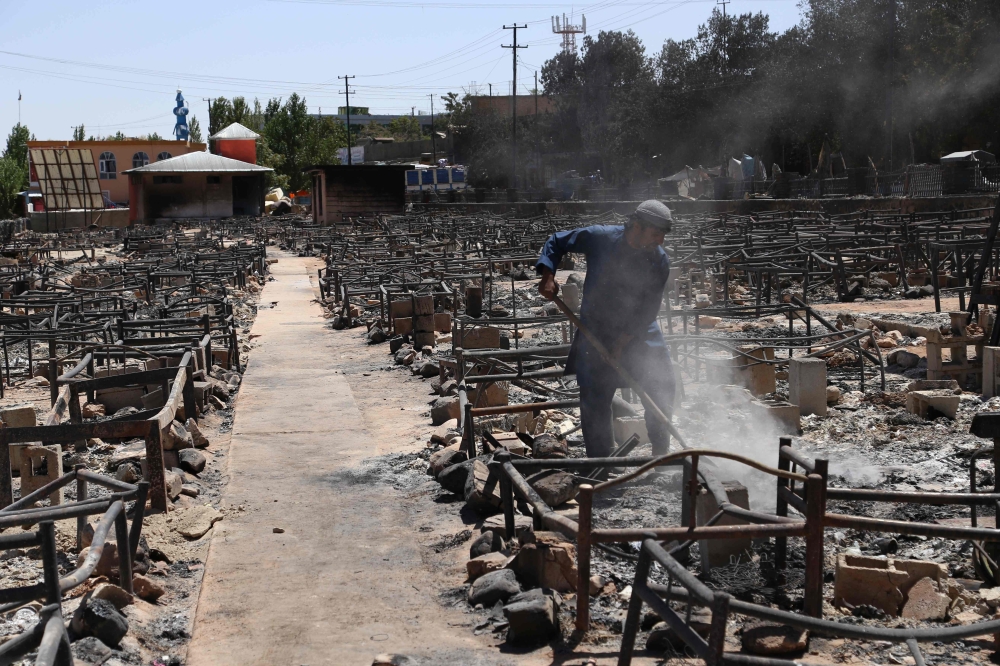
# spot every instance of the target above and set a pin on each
(91, 651)
(376, 335)
(106, 566)
(215, 402)
(475, 490)
(549, 446)
(597, 583)
(532, 617)
(195, 522)
(453, 478)
(116, 595)
(546, 559)
(925, 602)
(487, 542)
(662, 636)
(174, 481)
(770, 638)
(127, 473)
(493, 587)
(392, 660)
(146, 589)
(92, 410)
(190, 490)
(906, 360)
(484, 564)
(445, 458)
(199, 439)
(405, 356)
(445, 409)
(103, 621)
(428, 369)
(177, 438)
(278, 530)
(192, 460)
(832, 395)
(555, 488)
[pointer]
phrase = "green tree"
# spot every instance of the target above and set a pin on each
(405, 128)
(12, 179)
(220, 114)
(119, 136)
(78, 133)
(194, 130)
(153, 136)
(17, 145)
(286, 127)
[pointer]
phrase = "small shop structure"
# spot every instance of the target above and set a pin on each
(196, 186)
(341, 191)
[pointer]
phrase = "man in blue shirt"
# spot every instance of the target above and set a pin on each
(627, 270)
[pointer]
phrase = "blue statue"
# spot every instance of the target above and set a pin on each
(181, 128)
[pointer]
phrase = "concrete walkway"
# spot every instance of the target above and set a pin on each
(345, 580)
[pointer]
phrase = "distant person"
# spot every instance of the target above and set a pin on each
(627, 271)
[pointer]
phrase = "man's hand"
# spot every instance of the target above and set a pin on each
(547, 286)
(619, 346)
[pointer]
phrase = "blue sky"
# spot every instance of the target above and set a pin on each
(116, 65)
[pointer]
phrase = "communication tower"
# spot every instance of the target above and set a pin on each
(568, 31)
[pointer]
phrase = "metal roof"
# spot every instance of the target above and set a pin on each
(200, 163)
(235, 131)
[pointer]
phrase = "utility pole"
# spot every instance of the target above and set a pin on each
(206, 99)
(725, 27)
(514, 46)
(890, 76)
(433, 138)
(347, 95)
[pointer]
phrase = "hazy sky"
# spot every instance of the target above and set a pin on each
(116, 64)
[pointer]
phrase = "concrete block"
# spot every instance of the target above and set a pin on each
(442, 322)
(626, 426)
(423, 323)
(807, 385)
(880, 582)
(481, 337)
(784, 414)
(39, 465)
(423, 305)
(403, 325)
(926, 403)
(570, 294)
(423, 339)
(758, 377)
(114, 399)
(991, 372)
(18, 417)
(401, 308)
(720, 552)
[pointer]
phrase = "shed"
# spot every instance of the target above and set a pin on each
(196, 186)
(969, 156)
(344, 191)
(237, 142)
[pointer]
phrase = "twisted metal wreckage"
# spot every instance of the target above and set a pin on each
(152, 320)
(450, 270)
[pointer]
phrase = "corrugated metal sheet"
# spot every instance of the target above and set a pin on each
(235, 131)
(200, 163)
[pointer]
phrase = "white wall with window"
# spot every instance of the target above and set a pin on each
(107, 166)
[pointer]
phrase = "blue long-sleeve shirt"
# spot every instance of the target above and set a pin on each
(623, 289)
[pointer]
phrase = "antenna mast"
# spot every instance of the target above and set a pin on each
(568, 31)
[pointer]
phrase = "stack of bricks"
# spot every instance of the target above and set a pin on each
(423, 321)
